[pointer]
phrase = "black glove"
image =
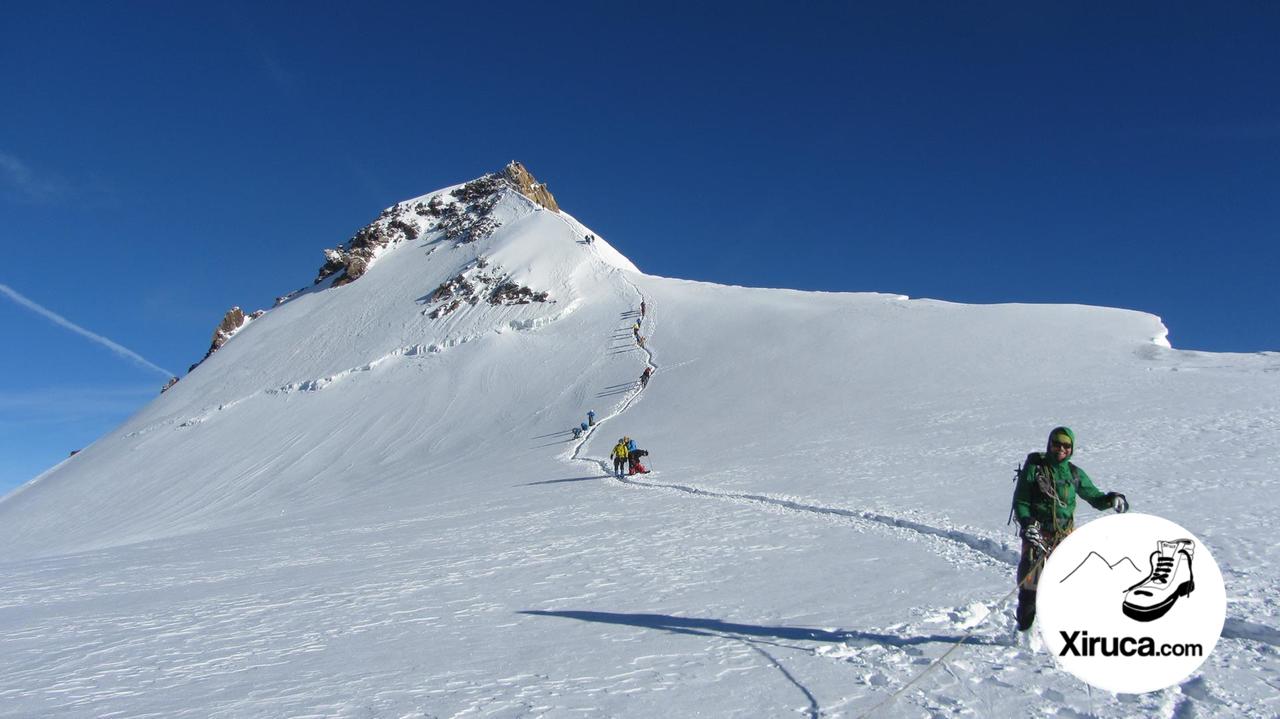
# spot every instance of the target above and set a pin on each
(1031, 535)
(1118, 502)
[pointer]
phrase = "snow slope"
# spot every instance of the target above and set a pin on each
(353, 509)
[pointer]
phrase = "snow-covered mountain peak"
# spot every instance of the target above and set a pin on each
(463, 214)
(453, 272)
(500, 239)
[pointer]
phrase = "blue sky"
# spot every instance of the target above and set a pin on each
(163, 162)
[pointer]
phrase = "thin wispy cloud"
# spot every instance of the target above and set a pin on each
(68, 324)
(19, 181)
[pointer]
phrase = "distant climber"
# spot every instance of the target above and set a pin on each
(642, 308)
(619, 457)
(577, 432)
(1044, 502)
(584, 426)
(640, 340)
(591, 417)
(644, 376)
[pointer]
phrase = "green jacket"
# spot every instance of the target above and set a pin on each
(1031, 501)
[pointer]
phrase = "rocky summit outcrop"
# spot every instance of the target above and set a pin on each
(463, 215)
(527, 185)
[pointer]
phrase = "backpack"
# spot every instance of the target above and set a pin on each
(1037, 459)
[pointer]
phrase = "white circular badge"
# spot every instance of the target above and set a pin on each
(1131, 603)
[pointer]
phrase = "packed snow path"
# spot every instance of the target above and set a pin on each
(631, 390)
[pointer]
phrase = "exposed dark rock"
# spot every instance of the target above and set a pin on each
(394, 224)
(410, 231)
(480, 191)
(474, 285)
(470, 216)
(459, 286)
(335, 260)
(231, 323)
(509, 293)
(445, 309)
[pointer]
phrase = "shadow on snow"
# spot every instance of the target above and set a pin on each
(719, 628)
(553, 434)
(555, 443)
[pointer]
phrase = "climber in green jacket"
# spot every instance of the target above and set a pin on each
(1044, 502)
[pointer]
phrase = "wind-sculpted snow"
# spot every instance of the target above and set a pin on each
(353, 509)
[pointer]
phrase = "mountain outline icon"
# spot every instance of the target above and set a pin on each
(1111, 566)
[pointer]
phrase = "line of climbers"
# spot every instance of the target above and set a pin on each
(1044, 498)
(635, 327)
(591, 422)
(629, 455)
(625, 451)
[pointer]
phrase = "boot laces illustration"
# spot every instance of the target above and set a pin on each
(1170, 578)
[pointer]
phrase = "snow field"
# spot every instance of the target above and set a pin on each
(322, 522)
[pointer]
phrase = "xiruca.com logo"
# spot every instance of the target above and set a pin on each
(1131, 603)
(1124, 647)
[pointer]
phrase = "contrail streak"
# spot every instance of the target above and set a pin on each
(60, 320)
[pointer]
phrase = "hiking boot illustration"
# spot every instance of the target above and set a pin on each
(1169, 579)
